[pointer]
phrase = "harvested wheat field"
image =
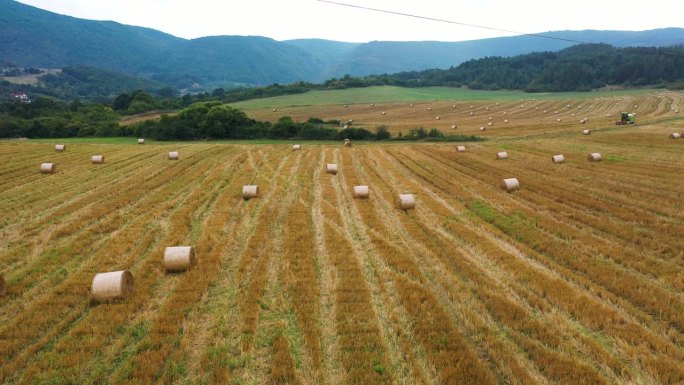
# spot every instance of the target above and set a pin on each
(507, 118)
(574, 278)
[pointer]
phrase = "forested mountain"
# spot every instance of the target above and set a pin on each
(578, 68)
(31, 37)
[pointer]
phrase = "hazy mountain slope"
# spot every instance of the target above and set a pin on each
(33, 37)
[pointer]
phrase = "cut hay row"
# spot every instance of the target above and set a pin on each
(571, 279)
(116, 252)
(646, 336)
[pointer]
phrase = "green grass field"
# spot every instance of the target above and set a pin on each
(398, 94)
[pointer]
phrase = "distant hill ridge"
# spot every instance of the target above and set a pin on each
(33, 37)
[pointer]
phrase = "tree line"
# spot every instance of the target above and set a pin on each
(207, 120)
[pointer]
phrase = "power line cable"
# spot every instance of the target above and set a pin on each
(661, 50)
(451, 21)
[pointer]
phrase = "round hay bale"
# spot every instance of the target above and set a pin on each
(347, 143)
(490, 118)
(497, 103)
(472, 106)
(510, 184)
(60, 147)
(372, 104)
(436, 117)
(141, 141)
(275, 110)
(583, 121)
(482, 129)
(505, 120)
(97, 159)
(545, 111)
(559, 120)
(487, 108)
(173, 155)
(502, 155)
(490, 124)
(250, 191)
(345, 106)
(594, 157)
(472, 113)
(406, 201)
(296, 147)
(586, 132)
(361, 192)
(453, 126)
(453, 106)
(384, 113)
(675, 135)
(505, 112)
(331, 168)
(179, 258)
(460, 148)
(111, 286)
(429, 108)
(558, 158)
(411, 105)
(676, 111)
(345, 127)
(48, 168)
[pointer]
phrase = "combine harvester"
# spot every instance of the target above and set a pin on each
(625, 118)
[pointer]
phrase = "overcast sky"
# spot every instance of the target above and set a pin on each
(293, 19)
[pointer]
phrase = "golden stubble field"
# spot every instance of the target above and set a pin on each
(524, 117)
(575, 278)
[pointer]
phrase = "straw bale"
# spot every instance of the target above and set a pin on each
(250, 191)
(510, 184)
(97, 159)
(60, 147)
(675, 135)
(558, 158)
(296, 146)
(141, 141)
(501, 155)
(586, 132)
(361, 192)
(347, 143)
(460, 148)
(48, 168)
(331, 168)
(111, 286)
(406, 201)
(179, 258)
(594, 157)
(173, 155)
